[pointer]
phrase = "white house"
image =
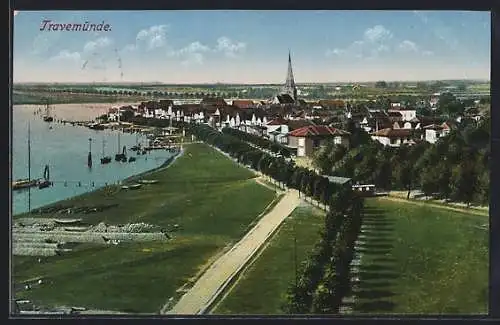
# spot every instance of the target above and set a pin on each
(433, 132)
(393, 137)
(277, 131)
(407, 114)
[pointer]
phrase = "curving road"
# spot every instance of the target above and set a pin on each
(219, 274)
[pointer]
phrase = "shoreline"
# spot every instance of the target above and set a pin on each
(74, 111)
(167, 163)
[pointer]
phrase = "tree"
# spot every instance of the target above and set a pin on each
(482, 194)
(464, 182)
(381, 84)
(429, 182)
(404, 176)
(127, 115)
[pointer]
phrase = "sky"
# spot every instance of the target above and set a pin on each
(251, 46)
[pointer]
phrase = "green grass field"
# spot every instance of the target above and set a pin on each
(213, 201)
(418, 259)
(262, 287)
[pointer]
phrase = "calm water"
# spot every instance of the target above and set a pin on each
(65, 148)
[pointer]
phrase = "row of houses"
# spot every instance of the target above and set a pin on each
(295, 126)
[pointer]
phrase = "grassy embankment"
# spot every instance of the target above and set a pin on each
(420, 259)
(262, 287)
(415, 259)
(213, 201)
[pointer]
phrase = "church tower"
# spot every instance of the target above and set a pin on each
(290, 87)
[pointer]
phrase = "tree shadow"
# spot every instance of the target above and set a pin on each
(376, 245)
(378, 275)
(384, 259)
(374, 216)
(372, 285)
(378, 306)
(376, 239)
(379, 222)
(373, 294)
(378, 228)
(374, 250)
(375, 268)
(368, 210)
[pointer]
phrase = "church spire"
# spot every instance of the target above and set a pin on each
(290, 87)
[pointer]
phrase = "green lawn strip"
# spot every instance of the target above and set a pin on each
(422, 259)
(138, 277)
(262, 287)
(211, 199)
(438, 203)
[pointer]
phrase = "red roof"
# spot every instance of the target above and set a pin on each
(243, 103)
(393, 133)
(278, 121)
(317, 130)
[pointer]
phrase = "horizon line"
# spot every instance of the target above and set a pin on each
(245, 83)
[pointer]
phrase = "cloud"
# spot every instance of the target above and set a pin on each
(94, 46)
(150, 38)
(191, 54)
(373, 43)
(408, 46)
(66, 55)
(228, 47)
(377, 41)
(377, 33)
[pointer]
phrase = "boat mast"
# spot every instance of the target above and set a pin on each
(47, 108)
(118, 130)
(29, 166)
(89, 158)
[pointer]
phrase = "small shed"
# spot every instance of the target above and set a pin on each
(337, 180)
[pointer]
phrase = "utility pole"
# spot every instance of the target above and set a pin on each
(29, 166)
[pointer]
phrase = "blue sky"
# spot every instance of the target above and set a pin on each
(252, 46)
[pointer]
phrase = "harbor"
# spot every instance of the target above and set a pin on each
(74, 156)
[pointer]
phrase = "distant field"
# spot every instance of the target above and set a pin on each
(40, 98)
(422, 260)
(480, 87)
(199, 192)
(262, 287)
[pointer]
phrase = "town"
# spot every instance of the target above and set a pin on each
(339, 166)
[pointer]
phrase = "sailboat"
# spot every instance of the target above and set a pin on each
(104, 159)
(47, 117)
(137, 146)
(46, 179)
(23, 183)
(123, 155)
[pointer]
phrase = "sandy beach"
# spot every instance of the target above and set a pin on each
(74, 112)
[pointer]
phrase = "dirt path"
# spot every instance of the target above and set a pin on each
(462, 210)
(219, 274)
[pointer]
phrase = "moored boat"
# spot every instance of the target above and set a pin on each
(24, 183)
(134, 186)
(148, 181)
(44, 184)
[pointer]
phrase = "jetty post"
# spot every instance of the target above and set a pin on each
(89, 158)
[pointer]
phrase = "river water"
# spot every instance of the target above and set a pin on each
(64, 148)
